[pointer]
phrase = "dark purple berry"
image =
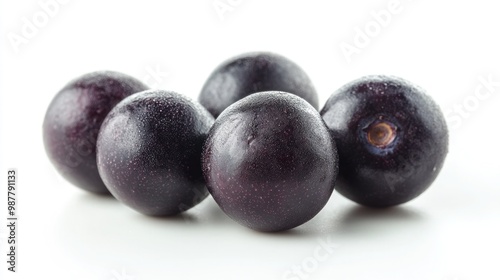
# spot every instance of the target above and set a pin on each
(149, 152)
(73, 120)
(270, 162)
(392, 140)
(254, 72)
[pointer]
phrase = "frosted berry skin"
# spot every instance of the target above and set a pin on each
(270, 162)
(72, 123)
(254, 72)
(392, 140)
(149, 152)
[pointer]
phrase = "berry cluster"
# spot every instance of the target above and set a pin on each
(255, 141)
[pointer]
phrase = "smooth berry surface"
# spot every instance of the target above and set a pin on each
(73, 120)
(149, 152)
(392, 140)
(270, 162)
(248, 73)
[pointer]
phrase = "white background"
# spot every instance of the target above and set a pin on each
(450, 232)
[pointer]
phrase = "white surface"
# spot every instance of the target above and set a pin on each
(450, 232)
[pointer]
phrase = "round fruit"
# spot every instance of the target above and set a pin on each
(270, 162)
(392, 140)
(73, 120)
(254, 72)
(149, 152)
